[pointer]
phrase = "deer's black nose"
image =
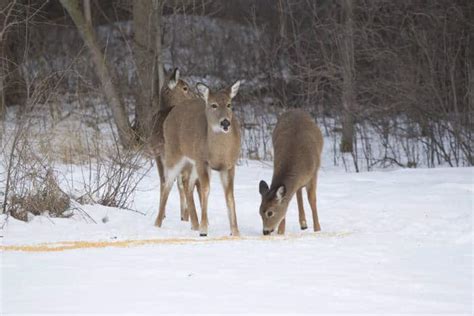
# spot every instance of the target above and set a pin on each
(225, 124)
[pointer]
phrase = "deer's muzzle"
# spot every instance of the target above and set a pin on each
(225, 124)
(267, 232)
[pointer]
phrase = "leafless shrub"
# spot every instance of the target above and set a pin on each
(31, 185)
(112, 174)
(43, 196)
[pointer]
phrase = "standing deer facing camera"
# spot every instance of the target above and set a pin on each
(174, 91)
(297, 144)
(200, 136)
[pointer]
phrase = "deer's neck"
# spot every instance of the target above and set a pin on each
(286, 178)
(222, 151)
(219, 141)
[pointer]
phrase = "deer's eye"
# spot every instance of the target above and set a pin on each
(269, 214)
(185, 88)
(228, 106)
(214, 106)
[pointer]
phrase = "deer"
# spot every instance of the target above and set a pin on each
(200, 136)
(297, 145)
(174, 91)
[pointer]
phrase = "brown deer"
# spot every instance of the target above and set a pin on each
(174, 91)
(297, 145)
(200, 136)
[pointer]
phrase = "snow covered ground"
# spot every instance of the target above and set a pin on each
(393, 242)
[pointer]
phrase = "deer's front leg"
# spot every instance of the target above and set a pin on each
(301, 214)
(203, 178)
(281, 227)
(227, 178)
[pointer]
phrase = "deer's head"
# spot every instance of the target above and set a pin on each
(175, 91)
(273, 206)
(219, 106)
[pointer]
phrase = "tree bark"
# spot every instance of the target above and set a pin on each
(470, 108)
(158, 62)
(87, 11)
(3, 64)
(3, 105)
(348, 98)
(147, 52)
(111, 93)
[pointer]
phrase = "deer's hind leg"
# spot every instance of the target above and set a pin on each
(311, 190)
(183, 180)
(161, 174)
(190, 183)
(161, 171)
(301, 214)
(165, 191)
(170, 174)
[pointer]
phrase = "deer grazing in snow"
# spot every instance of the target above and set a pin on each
(297, 144)
(200, 136)
(174, 91)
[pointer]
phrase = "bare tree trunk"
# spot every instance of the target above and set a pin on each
(143, 53)
(87, 33)
(147, 51)
(3, 63)
(87, 11)
(3, 105)
(348, 98)
(282, 19)
(470, 108)
(158, 62)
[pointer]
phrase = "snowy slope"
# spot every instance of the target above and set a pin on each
(392, 242)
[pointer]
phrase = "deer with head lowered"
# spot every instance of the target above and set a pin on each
(174, 91)
(201, 136)
(297, 145)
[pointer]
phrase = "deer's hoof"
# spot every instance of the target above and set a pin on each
(202, 235)
(303, 227)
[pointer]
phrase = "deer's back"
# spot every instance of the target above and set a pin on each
(297, 145)
(155, 145)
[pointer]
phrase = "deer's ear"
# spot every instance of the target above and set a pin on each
(263, 187)
(280, 193)
(203, 91)
(173, 79)
(234, 89)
